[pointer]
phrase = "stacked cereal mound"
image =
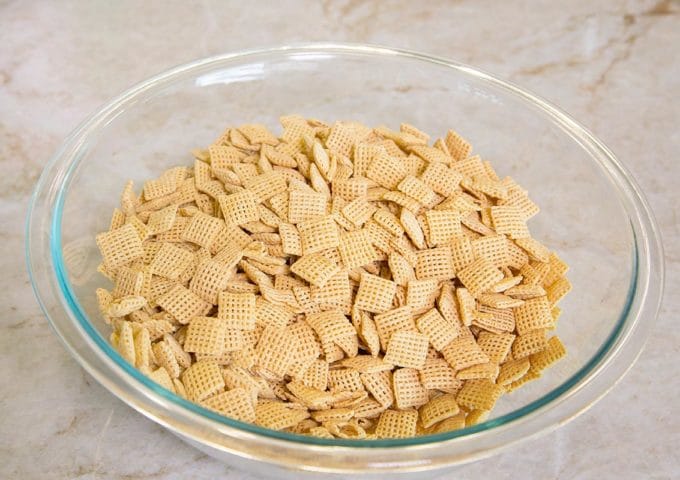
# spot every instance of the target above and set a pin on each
(337, 281)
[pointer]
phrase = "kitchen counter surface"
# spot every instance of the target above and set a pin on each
(613, 67)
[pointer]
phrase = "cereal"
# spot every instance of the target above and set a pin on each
(337, 281)
(408, 391)
(407, 348)
(397, 424)
(375, 294)
(314, 268)
(438, 409)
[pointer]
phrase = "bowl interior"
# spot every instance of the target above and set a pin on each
(582, 216)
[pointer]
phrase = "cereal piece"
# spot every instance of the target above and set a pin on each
(295, 127)
(387, 323)
(521, 201)
(239, 208)
(497, 320)
(476, 416)
(462, 253)
(532, 315)
(315, 268)
(407, 348)
(368, 332)
(412, 228)
(318, 235)
(164, 185)
(494, 248)
(556, 312)
(417, 189)
(268, 314)
(210, 278)
(126, 342)
(162, 220)
(444, 226)
(202, 380)
(457, 145)
(182, 357)
(498, 300)
(421, 294)
(479, 394)
(489, 185)
(366, 364)
(528, 343)
(125, 305)
(439, 332)
(528, 377)
(405, 248)
(235, 403)
(375, 294)
(402, 271)
(402, 200)
(161, 377)
(276, 350)
(408, 392)
(380, 237)
(358, 211)
(257, 134)
(356, 250)
(435, 263)
(437, 374)
(331, 325)
(265, 186)
(397, 424)
(509, 220)
(166, 358)
(553, 352)
(202, 230)
(342, 138)
(183, 304)
(558, 289)
(170, 261)
(304, 205)
(495, 346)
(238, 309)
(290, 239)
(534, 248)
(483, 370)
(464, 352)
(335, 294)
(525, 292)
(311, 397)
(206, 335)
(479, 276)
(386, 171)
(379, 384)
(512, 370)
(345, 379)
(438, 409)
(316, 375)
(351, 188)
(120, 246)
(277, 415)
(389, 222)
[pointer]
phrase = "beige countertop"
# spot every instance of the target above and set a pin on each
(614, 65)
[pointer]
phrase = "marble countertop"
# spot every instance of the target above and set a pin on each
(611, 64)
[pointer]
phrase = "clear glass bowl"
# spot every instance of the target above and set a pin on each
(593, 214)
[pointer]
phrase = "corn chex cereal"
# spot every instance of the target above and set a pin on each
(337, 280)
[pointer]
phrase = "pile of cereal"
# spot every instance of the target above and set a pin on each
(336, 281)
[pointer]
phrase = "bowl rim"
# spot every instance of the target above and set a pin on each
(51, 286)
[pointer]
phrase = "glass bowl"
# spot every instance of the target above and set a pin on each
(593, 214)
